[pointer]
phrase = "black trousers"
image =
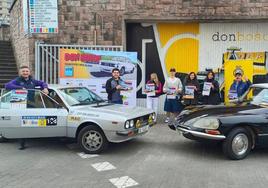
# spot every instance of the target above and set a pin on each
(22, 143)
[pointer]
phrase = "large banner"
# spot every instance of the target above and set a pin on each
(93, 68)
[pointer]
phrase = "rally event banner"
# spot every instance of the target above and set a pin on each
(93, 68)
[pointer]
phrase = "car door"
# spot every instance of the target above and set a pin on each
(37, 116)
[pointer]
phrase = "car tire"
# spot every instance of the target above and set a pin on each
(122, 71)
(237, 144)
(92, 140)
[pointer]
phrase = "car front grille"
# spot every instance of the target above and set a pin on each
(144, 120)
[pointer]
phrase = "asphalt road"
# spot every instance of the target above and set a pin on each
(161, 158)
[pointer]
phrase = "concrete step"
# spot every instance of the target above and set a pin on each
(5, 80)
(5, 42)
(8, 63)
(7, 75)
(7, 60)
(8, 71)
(6, 55)
(8, 67)
(5, 47)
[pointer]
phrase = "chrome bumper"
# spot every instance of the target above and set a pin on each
(201, 135)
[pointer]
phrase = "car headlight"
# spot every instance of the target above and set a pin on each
(207, 123)
(127, 125)
(131, 124)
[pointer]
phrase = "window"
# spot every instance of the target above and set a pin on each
(23, 99)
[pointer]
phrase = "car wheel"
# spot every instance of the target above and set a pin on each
(238, 144)
(92, 140)
(122, 71)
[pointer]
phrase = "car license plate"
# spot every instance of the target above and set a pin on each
(143, 129)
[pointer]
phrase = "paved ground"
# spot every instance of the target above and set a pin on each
(161, 158)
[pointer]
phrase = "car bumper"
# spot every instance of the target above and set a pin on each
(200, 134)
(121, 136)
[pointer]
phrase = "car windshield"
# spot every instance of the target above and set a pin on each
(79, 96)
(257, 96)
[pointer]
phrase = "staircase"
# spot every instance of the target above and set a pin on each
(8, 67)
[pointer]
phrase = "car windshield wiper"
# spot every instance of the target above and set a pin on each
(89, 103)
(82, 103)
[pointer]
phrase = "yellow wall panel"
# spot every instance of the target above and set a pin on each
(169, 30)
(183, 55)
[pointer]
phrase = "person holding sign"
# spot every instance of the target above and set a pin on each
(173, 89)
(211, 90)
(191, 89)
(153, 91)
(238, 87)
(114, 86)
(26, 81)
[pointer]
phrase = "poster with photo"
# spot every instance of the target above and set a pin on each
(189, 92)
(92, 69)
(150, 90)
(18, 99)
(171, 93)
(232, 94)
(206, 88)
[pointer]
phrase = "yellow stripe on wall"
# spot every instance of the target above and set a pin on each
(183, 53)
(169, 30)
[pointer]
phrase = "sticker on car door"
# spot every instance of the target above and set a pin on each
(38, 121)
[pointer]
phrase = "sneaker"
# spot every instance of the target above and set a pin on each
(167, 120)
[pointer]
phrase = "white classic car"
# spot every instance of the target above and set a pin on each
(109, 65)
(73, 112)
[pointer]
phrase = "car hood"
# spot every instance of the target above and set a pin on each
(115, 109)
(219, 111)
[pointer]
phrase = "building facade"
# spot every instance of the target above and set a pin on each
(190, 35)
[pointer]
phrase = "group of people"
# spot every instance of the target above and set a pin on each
(178, 94)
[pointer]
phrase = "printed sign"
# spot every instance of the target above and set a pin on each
(92, 69)
(206, 88)
(18, 99)
(38, 121)
(232, 94)
(171, 93)
(150, 90)
(43, 16)
(189, 92)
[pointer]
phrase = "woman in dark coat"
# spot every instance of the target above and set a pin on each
(191, 80)
(214, 96)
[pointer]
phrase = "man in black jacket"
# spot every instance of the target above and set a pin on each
(113, 87)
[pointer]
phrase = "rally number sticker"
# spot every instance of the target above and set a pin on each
(38, 121)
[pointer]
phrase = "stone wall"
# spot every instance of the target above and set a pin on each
(20, 42)
(4, 32)
(196, 10)
(101, 22)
